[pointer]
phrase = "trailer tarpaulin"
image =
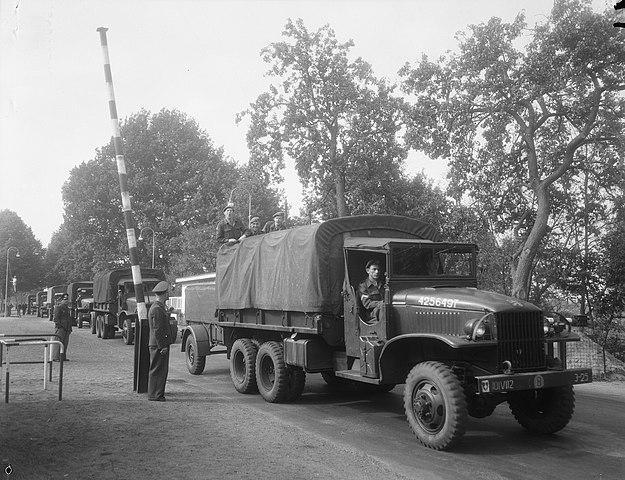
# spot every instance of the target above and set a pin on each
(302, 268)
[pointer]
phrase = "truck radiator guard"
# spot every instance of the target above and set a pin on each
(521, 340)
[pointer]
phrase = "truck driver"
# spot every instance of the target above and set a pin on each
(371, 291)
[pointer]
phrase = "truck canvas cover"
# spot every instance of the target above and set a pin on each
(105, 283)
(302, 268)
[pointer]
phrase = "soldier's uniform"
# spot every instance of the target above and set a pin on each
(371, 297)
(160, 339)
(271, 226)
(63, 327)
(226, 231)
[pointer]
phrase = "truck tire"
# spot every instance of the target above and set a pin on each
(272, 377)
(543, 411)
(98, 326)
(332, 380)
(243, 365)
(79, 320)
(92, 324)
(128, 333)
(195, 363)
(435, 405)
(295, 384)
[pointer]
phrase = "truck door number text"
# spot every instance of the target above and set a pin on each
(438, 302)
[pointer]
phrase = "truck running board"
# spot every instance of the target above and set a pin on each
(354, 375)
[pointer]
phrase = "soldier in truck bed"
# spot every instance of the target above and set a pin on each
(230, 229)
(371, 291)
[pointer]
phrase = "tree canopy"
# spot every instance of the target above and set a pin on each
(332, 116)
(517, 112)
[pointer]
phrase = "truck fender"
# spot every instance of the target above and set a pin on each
(200, 335)
(401, 353)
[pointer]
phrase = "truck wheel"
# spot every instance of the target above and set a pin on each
(435, 405)
(271, 373)
(98, 326)
(543, 411)
(243, 365)
(295, 384)
(79, 321)
(195, 363)
(128, 333)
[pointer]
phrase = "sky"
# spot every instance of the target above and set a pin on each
(201, 57)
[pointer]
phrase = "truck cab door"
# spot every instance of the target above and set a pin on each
(360, 334)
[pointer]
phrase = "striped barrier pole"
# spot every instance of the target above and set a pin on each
(142, 356)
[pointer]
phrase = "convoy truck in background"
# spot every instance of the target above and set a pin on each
(286, 303)
(80, 301)
(53, 296)
(115, 303)
(42, 297)
(31, 304)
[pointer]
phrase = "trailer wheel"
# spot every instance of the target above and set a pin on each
(243, 365)
(195, 363)
(128, 333)
(296, 383)
(543, 411)
(271, 373)
(435, 405)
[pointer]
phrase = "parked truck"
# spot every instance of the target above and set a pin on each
(31, 304)
(286, 303)
(80, 301)
(53, 295)
(115, 303)
(41, 299)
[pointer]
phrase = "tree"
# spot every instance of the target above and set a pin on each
(518, 117)
(178, 181)
(28, 267)
(337, 121)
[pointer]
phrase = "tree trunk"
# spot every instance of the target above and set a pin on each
(521, 268)
(341, 204)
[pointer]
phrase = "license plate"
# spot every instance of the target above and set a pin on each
(532, 381)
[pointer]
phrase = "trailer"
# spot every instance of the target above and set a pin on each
(287, 304)
(115, 303)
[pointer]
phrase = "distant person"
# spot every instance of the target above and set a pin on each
(62, 327)
(254, 229)
(230, 229)
(276, 224)
(23, 309)
(159, 341)
(371, 291)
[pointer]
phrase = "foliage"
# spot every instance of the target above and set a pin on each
(28, 267)
(178, 181)
(332, 116)
(520, 115)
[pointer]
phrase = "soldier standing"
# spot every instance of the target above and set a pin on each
(159, 342)
(62, 327)
(230, 229)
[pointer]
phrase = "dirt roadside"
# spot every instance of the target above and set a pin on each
(103, 430)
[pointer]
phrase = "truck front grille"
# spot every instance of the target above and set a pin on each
(521, 340)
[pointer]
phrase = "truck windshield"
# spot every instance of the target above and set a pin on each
(433, 260)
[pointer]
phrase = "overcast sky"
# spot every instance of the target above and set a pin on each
(198, 56)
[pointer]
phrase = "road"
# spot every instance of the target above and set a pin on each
(591, 447)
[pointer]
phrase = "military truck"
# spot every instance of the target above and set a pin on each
(285, 304)
(41, 299)
(115, 303)
(53, 296)
(80, 301)
(31, 304)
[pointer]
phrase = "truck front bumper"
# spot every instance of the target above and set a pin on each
(532, 380)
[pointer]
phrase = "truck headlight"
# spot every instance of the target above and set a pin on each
(481, 328)
(555, 323)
